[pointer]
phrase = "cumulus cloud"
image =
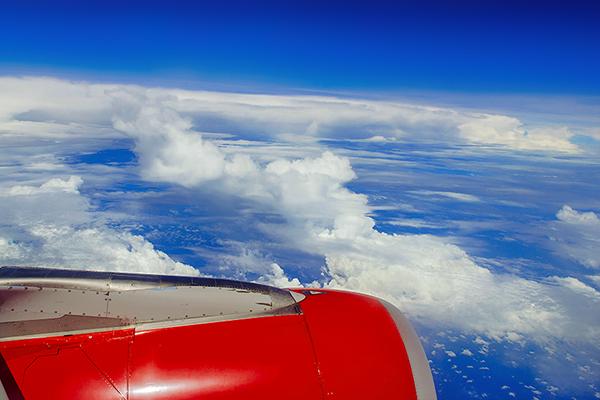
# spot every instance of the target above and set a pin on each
(277, 277)
(511, 132)
(437, 281)
(168, 151)
(70, 185)
(576, 234)
(426, 276)
(571, 216)
(51, 226)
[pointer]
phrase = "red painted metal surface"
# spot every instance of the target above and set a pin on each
(359, 351)
(90, 366)
(343, 346)
(260, 358)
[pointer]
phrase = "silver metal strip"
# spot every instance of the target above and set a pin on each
(416, 355)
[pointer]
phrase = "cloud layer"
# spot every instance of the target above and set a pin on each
(26, 103)
(430, 278)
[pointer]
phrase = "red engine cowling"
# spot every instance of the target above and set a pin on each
(87, 335)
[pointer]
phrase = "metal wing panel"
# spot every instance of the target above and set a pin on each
(55, 302)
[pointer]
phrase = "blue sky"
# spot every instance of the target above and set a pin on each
(498, 46)
(443, 157)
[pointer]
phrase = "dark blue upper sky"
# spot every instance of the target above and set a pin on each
(468, 46)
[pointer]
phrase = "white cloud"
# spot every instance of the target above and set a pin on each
(378, 138)
(450, 195)
(70, 185)
(51, 226)
(415, 223)
(576, 285)
(577, 235)
(510, 132)
(437, 281)
(10, 250)
(96, 248)
(278, 278)
(570, 216)
(47, 107)
(168, 150)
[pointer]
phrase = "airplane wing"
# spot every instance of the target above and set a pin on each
(68, 334)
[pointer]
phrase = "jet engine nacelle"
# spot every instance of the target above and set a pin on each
(100, 335)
